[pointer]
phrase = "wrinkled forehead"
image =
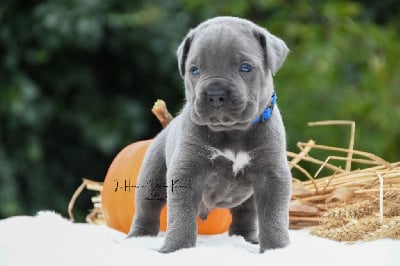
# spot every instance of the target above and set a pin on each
(219, 43)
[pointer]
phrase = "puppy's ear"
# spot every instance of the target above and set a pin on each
(275, 49)
(183, 51)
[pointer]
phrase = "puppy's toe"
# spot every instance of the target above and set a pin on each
(137, 232)
(249, 236)
(169, 249)
(253, 239)
(165, 250)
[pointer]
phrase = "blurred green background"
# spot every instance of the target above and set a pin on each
(78, 79)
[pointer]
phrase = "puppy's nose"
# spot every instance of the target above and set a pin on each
(216, 98)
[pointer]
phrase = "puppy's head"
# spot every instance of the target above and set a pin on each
(227, 64)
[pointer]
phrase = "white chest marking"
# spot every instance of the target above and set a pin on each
(239, 159)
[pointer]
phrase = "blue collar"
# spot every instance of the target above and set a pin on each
(267, 111)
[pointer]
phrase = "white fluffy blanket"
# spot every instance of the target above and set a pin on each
(49, 239)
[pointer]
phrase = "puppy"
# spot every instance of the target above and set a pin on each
(227, 147)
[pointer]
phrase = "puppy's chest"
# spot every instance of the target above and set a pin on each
(228, 181)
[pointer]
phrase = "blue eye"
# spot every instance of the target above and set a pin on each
(245, 67)
(195, 70)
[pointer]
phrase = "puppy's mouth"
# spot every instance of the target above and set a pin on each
(222, 121)
(229, 126)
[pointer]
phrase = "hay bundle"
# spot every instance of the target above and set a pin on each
(345, 205)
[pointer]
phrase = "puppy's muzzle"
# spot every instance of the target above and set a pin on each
(216, 97)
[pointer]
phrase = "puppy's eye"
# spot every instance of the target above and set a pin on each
(245, 67)
(195, 70)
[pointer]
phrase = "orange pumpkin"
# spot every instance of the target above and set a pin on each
(217, 222)
(118, 194)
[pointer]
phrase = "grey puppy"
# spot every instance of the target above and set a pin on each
(227, 147)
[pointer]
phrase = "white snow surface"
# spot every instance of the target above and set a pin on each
(49, 239)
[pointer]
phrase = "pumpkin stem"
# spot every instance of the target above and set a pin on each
(161, 112)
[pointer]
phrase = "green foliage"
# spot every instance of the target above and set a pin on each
(340, 67)
(78, 79)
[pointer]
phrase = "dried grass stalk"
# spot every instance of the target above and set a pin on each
(95, 215)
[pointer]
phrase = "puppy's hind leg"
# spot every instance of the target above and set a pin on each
(244, 221)
(151, 192)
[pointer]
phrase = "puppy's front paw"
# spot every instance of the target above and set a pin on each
(137, 232)
(172, 244)
(165, 249)
(279, 241)
(171, 248)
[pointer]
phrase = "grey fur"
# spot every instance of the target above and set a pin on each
(213, 156)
